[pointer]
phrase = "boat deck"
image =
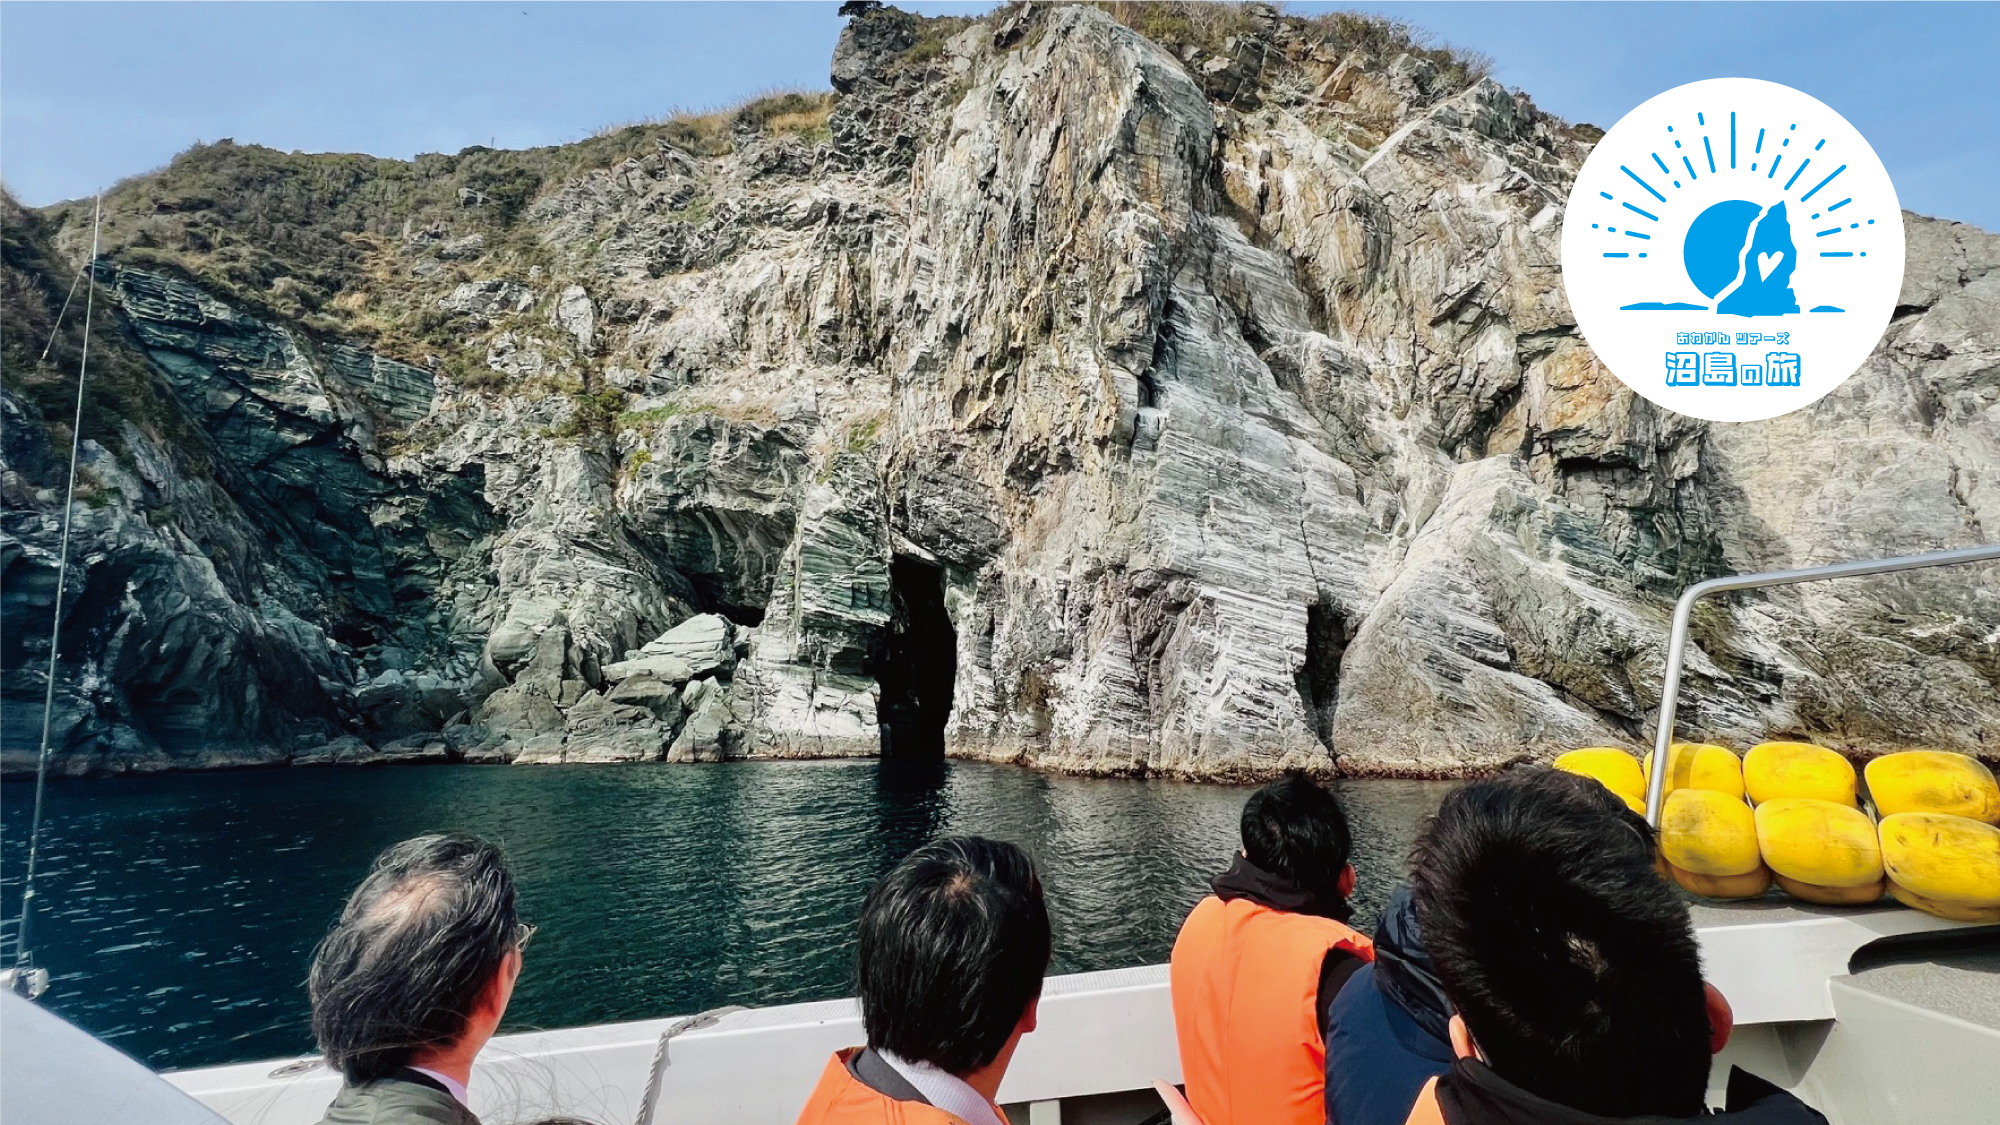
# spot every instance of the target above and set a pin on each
(1773, 957)
(1913, 1039)
(1963, 986)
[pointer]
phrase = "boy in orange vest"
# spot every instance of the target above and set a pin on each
(1570, 964)
(954, 944)
(1258, 962)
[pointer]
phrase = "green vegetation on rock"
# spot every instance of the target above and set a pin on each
(633, 419)
(121, 389)
(592, 413)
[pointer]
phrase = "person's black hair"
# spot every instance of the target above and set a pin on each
(954, 944)
(1295, 828)
(419, 940)
(1573, 964)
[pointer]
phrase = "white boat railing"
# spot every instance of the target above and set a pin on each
(1098, 1033)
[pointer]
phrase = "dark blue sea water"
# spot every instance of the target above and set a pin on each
(178, 913)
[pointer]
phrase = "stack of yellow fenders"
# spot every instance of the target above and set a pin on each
(1790, 813)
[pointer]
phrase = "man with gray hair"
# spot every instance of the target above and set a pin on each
(412, 981)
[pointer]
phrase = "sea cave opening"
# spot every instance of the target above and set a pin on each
(716, 595)
(918, 662)
(1318, 679)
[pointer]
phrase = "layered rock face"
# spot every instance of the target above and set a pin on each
(1203, 407)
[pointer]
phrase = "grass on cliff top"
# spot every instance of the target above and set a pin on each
(288, 234)
(711, 132)
(1178, 24)
(1382, 39)
(313, 239)
(284, 234)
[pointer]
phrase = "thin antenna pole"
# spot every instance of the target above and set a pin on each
(23, 956)
(56, 328)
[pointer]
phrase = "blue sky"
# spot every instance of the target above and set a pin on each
(90, 93)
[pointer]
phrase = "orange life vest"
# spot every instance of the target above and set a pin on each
(1245, 981)
(842, 1099)
(1427, 1111)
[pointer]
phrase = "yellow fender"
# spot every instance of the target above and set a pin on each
(1822, 843)
(1945, 863)
(1709, 833)
(1772, 770)
(1933, 781)
(1617, 770)
(1832, 896)
(1748, 885)
(1957, 912)
(1700, 765)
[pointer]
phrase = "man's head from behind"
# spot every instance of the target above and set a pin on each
(1295, 828)
(1571, 962)
(954, 943)
(422, 960)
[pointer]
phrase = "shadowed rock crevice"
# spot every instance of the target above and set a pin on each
(917, 663)
(1319, 674)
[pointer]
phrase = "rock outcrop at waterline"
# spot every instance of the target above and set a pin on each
(1201, 407)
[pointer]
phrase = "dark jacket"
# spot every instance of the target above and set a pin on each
(1275, 892)
(1472, 1094)
(873, 1071)
(1387, 1032)
(409, 1098)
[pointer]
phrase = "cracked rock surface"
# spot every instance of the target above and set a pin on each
(1188, 408)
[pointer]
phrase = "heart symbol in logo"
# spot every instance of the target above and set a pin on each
(1768, 262)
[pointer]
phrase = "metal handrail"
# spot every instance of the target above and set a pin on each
(1677, 641)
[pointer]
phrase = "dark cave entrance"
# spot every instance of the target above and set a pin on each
(713, 595)
(1318, 678)
(917, 663)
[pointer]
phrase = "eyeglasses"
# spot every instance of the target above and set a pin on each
(523, 932)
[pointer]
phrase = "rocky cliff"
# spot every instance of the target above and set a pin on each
(1194, 397)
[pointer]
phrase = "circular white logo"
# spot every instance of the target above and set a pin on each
(1732, 249)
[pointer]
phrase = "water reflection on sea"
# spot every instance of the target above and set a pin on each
(179, 912)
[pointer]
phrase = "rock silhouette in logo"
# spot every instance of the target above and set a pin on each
(1766, 268)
